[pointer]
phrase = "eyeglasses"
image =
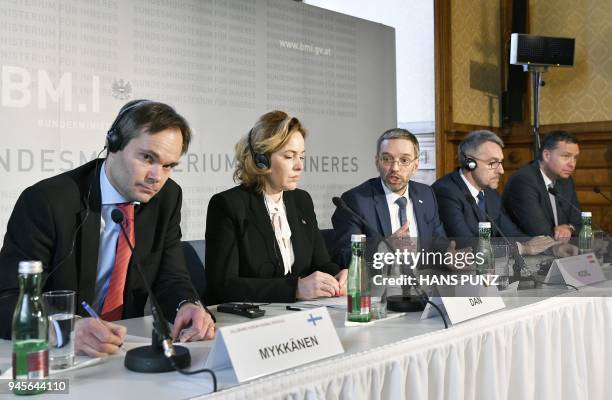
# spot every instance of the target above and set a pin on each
(388, 161)
(495, 164)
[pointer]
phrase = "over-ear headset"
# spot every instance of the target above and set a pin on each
(468, 162)
(114, 139)
(262, 161)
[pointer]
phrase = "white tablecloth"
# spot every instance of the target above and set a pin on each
(553, 349)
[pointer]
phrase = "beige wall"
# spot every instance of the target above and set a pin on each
(476, 82)
(582, 93)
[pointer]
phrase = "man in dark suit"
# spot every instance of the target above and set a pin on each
(526, 197)
(391, 203)
(65, 222)
(467, 195)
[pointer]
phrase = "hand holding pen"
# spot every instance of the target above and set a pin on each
(95, 337)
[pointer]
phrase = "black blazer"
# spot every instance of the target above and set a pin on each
(527, 201)
(45, 220)
(243, 262)
(460, 217)
(369, 201)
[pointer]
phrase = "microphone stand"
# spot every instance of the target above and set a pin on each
(398, 303)
(597, 190)
(519, 261)
(161, 355)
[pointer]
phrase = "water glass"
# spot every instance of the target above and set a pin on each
(378, 292)
(60, 306)
(502, 269)
(601, 244)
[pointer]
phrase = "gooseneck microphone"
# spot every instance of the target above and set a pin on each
(151, 358)
(162, 328)
(404, 303)
(519, 261)
(597, 190)
(556, 193)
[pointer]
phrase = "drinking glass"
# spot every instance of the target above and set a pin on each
(60, 310)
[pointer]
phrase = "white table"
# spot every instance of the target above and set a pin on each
(553, 348)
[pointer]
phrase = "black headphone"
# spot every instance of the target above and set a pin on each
(262, 161)
(468, 162)
(114, 139)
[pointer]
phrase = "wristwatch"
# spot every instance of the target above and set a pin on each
(197, 303)
(572, 227)
(192, 301)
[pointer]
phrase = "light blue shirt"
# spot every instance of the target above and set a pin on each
(109, 234)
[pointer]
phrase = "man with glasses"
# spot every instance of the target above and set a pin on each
(391, 203)
(468, 195)
(526, 196)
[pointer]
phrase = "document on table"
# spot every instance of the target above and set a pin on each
(331, 302)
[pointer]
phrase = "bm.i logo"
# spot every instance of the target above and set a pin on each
(18, 90)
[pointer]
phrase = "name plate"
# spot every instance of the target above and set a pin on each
(258, 348)
(578, 271)
(469, 301)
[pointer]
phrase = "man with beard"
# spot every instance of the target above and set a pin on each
(468, 195)
(391, 203)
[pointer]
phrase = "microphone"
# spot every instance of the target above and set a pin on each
(148, 358)
(555, 193)
(519, 261)
(394, 303)
(597, 190)
(338, 202)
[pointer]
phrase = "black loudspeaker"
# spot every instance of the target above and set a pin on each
(262, 161)
(114, 139)
(541, 50)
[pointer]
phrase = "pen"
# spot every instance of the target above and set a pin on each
(95, 315)
(90, 310)
(291, 308)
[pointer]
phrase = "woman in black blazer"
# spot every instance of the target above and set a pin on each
(262, 238)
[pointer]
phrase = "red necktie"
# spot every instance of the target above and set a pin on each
(113, 303)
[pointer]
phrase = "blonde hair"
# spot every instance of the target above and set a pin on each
(269, 134)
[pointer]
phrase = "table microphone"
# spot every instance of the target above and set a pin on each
(555, 193)
(398, 303)
(519, 261)
(152, 358)
(597, 190)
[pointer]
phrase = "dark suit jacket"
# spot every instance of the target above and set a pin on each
(243, 261)
(369, 201)
(527, 201)
(44, 223)
(460, 217)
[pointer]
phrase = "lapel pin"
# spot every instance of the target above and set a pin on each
(303, 222)
(420, 201)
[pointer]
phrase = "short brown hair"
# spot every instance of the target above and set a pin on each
(145, 116)
(398, 133)
(269, 134)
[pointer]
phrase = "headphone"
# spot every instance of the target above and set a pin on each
(468, 162)
(114, 139)
(262, 161)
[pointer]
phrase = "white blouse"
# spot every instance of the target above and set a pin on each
(282, 231)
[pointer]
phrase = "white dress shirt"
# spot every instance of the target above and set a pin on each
(282, 230)
(473, 191)
(394, 211)
(549, 183)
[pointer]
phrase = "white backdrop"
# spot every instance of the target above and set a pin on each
(67, 66)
